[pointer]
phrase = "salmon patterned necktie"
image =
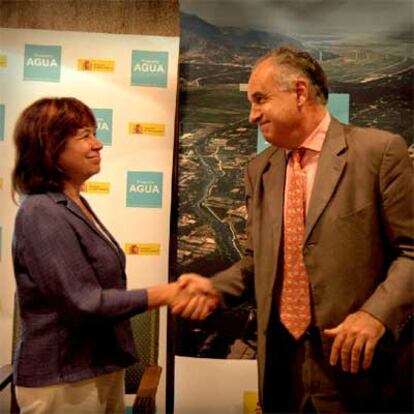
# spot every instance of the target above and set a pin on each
(294, 310)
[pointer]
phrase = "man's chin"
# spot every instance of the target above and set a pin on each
(266, 137)
(270, 140)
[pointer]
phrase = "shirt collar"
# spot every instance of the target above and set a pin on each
(315, 139)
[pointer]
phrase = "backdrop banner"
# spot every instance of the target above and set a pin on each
(366, 49)
(130, 82)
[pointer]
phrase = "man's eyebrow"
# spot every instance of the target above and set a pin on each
(256, 95)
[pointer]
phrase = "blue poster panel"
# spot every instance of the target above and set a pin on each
(149, 68)
(42, 63)
(144, 189)
(103, 118)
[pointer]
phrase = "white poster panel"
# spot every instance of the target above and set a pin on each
(205, 386)
(130, 82)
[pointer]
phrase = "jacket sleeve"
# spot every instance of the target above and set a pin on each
(392, 302)
(50, 261)
(235, 284)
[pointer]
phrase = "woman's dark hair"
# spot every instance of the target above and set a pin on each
(40, 136)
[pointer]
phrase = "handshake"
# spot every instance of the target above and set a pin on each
(192, 297)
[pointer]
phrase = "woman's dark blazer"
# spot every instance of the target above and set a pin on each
(71, 288)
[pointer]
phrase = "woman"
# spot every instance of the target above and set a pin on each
(70, 272)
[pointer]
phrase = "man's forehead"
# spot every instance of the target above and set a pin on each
(264, 67)
(260, 79)
(255, 89)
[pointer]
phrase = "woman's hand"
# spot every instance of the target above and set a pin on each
(192, 296)
(197, 299)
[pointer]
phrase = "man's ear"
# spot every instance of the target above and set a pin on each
(302, 91)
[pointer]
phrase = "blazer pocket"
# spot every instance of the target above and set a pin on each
(356, 211)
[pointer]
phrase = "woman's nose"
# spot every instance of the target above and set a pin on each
(96, 144)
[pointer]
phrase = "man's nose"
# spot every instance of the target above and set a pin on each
(254, 114)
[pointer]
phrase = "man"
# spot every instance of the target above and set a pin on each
(330, 248)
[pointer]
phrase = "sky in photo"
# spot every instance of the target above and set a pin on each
(379, 18)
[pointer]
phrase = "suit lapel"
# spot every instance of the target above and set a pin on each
(331, 165)
(70, 205)
(74, 209)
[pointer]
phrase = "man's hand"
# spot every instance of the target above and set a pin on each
(355, 337)
(204, 298)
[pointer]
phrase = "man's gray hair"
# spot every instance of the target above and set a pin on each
(294, 63)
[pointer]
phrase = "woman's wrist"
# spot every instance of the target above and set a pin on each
(162, 295)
